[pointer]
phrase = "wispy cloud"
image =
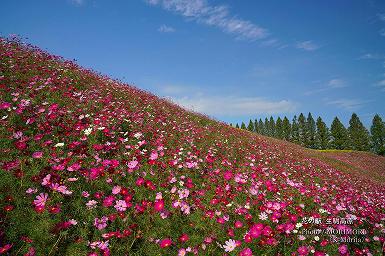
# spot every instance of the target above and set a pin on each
(382, 32)
(78, 2)
(235, 106)
(213, 15)
(337, 83)
(307, 45)
(166, 29)
(381, 84)
(370, 56)
(347, 104)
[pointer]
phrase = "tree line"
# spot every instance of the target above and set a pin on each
(309, 133)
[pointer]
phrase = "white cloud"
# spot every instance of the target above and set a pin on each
(347, 104)
(382, 32)
(307, 45)
(166, 29)
(235, 106)
(213, 15)
(337, 83)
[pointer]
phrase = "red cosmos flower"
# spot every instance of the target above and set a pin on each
(5, 248)
(159, 205)
(238, 224)
(139, 181)
(54, 209)
(8, 208)
(248, 238)
(39, 209)
(165, 243)
(184, 238)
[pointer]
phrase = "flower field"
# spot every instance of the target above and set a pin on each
(92, 166)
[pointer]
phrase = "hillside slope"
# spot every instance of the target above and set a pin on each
(93, 166)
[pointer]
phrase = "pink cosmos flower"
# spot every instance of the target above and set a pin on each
(121, 205)
(41, 199)
(91, 204)
(182, 252)
(116, 190)
(132, 164)
(154, 155)
(31, 190)
(303, 251)
(46, 180)
(246, 252)
(74, 167)
(343, 249)
(101, 223)
(37, 154)
(183, 193)
(191, 165)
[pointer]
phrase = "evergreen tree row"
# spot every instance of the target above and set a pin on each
(317, 135)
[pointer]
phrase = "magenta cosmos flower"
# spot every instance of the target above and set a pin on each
(41, 199)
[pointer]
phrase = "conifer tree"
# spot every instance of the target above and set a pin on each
(322, 135)
(237, 126)
(294, 130)
(377, 131)
(256, 127)
(302, 130)
(261, 127)
(272, 126)
(286, 128)
(359, 135)
(250, 126)
(278, 128)
(243, 126)
(310, 132)
(267, 127)
(339, 135)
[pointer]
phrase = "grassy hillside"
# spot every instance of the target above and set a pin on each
(92, 166)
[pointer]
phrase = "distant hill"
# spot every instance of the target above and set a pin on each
(92, 166)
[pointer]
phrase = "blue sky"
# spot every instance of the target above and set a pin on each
(230, 59)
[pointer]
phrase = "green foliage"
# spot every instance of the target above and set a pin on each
(250, 126)
(278, 128)
(339, 135)
(302, 135)
(310, 132)
(322, 135)
(286, 128)
(359, 135)
(378, 135)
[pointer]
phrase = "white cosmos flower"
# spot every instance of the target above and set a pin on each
(88, 131)
(229, 245)
(60, 144)
(263, 216)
